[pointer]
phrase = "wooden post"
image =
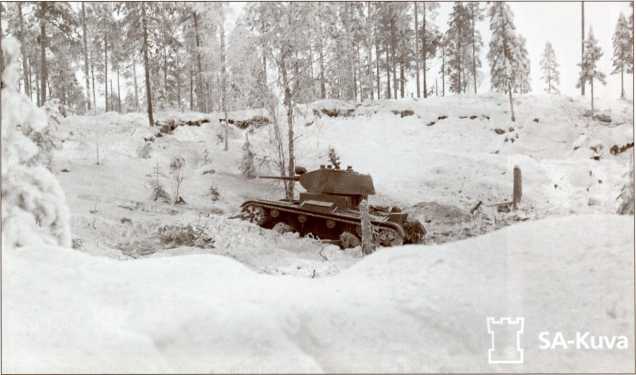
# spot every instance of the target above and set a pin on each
(366, 229)
(517, 187)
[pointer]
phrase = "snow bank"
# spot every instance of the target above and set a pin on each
(34, 210)
(407, 309)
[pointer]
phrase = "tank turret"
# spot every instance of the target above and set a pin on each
(344, 187)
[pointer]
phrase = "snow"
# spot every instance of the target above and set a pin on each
(410, 309)
(258, 301)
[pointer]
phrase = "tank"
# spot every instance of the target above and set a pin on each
(329, 209)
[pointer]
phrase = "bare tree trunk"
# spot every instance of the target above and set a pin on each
(191, 88)
(177, 74)
(582, 41)
(443, 71)
(417, 51)
(84, 37)
(43, 41)
(472, 18)
(622, 84)
(424, 52)
(393, 58)
(105, 73)
(38, 97)
(223, 76)
(290, 127)
(356, 75)
(146, 64)
(200, 97)
(25, 68)
(264, 56)
(323, 87)
(93, 86)
(388, 72)
(118, 92)
(369, 51)
(402, 77)
(592, 93)
(512, 109)
(1, 56)
(134, 71)
(377, 67)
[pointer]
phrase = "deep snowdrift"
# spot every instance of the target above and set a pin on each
(414, 308)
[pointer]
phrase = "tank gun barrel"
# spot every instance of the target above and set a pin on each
(284, 178)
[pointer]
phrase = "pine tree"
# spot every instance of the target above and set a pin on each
(431, 38)
(550, 69)
(459, 37)
(623, 58)
(475, 14)
(589, 68)
(503, 51)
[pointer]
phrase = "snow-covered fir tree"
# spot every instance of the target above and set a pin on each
(522, 67)
(623, 58)
(589, 66)
(550, 69)
(34, 210)
(503, 53)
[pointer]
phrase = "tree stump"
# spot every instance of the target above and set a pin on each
(516, 187)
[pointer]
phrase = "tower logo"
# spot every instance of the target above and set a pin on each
(505, 340)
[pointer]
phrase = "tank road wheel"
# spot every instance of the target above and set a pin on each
(349, 240)
(387, 237)
(255, 215)
(282, 228)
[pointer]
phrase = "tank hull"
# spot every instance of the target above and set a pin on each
(329, 222)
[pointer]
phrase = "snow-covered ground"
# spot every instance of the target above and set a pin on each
(437, 172)
(256, 301)
(411, 309)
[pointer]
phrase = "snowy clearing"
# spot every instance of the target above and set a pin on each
(437, 173)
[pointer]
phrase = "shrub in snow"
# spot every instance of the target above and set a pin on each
(144, 151)
(185, 235)
(247, 162)
(176, 170)
(214, 193)
(34, 210)
(158, 192)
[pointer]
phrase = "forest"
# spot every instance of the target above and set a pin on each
(309, 187)
(127, 57)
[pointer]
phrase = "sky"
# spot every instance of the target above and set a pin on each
(558, 22)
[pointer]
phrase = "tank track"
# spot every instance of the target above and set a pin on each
(329, 225)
